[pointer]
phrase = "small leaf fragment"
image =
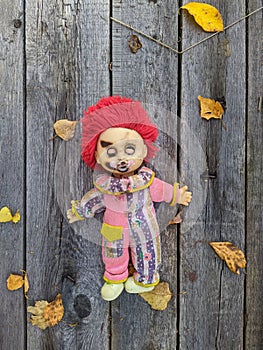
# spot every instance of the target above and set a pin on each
(159, 297)
(134, 43)
(65, 129)
(207, 16)
(26, 284)
(16, 218)
(210, 108)
(177, 219)
(6, 215)
(229, 253)
(15, 282)
(46, 314)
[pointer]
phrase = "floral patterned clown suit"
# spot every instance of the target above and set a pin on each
(117, 138)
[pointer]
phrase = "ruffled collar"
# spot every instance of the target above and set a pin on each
(108, 184)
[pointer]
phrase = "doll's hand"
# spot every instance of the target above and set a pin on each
(185, 196)
(71, 217)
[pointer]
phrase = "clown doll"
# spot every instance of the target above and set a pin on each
(117, 140)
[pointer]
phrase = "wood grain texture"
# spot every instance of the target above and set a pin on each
(150, 76)
(12, 186)
(67, 69)
(254, 281)
(211, 314)
(56, 68)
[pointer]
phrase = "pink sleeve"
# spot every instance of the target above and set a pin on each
(161, 191)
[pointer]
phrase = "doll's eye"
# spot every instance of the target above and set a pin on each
(111, 152)
(130, 149)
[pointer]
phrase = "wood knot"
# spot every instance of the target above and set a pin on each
(192, 275)
(82, 306)
(17, 23)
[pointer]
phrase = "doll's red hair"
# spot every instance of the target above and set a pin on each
(114, 112)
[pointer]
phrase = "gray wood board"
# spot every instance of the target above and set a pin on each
(67, 69)
(68, 50)
(211, 313)
(12, 186)
(150, 76)
(254, 243)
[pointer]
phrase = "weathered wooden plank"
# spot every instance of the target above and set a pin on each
(254, 285)
(150, 76)
(67, 52)
(12, 186)
(211, 313)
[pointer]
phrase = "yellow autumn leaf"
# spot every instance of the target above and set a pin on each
(15, 282)
(229, 253)
(207, 16)
(159, 297)
(210, 108)
(6, 215)
(65, 129)
(45, 314)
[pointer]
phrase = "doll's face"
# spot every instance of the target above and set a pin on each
(120, 151)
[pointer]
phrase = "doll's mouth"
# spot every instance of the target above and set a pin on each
(122, 167)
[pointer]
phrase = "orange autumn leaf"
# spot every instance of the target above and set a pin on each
(210, 108)
(15, 282)
(159, 297)
(207, 16)
(65, 129)
(45, 314)
(229, 253)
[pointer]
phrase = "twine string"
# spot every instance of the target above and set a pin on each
(189, 47)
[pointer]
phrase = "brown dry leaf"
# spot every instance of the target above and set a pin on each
(177, 219)
(46, 314)
(65, 129)
(207, 16)
(131, 269)
(6, 215)
(159, 297)
(15, 282)
(134, 43)
(229, 253)
(210, 108)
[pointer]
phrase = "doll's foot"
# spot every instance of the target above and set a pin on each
(132, 287)
(111, 291)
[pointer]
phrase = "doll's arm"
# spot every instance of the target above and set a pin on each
(163, 192)
(87, 207)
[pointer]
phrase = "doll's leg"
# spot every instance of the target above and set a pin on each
(116, 258)
(146, 257)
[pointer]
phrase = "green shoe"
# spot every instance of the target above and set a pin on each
(132, 287)
(111, 291)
